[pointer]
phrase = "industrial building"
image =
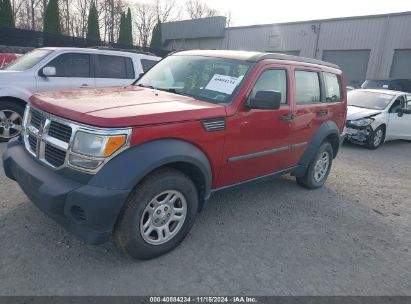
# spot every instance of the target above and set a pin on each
(366, 47)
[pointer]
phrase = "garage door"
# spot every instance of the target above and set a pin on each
(354, 64)
(401, 64)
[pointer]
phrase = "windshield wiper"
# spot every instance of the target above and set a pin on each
(174, 91)
(144, 86)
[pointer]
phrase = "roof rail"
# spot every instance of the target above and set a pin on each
(278, 56)
(108, 48)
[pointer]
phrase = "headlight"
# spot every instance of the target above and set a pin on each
(363, 122)
(90, 150)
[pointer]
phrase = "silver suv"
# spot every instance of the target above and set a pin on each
(54, 69)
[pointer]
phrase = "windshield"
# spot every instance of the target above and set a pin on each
(28, 61)
(205, 78)
(369, 100)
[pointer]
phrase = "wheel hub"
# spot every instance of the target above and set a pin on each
(161, 216)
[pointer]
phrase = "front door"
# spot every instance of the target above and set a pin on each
(257, 141)
(399, 127)
(73, 71)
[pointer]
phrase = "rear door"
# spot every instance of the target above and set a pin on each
(318, 97)
(113, 70)
(73, 70)
(399, 127)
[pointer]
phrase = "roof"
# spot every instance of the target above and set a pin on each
(254, 56)
(384, 91)
(324, 20)
(101, 51)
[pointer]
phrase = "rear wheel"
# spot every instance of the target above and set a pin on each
(319, 168)
(376, 138)
(159, 214)
(11, 120)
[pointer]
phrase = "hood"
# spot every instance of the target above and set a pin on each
(124, 106)
(354, 113)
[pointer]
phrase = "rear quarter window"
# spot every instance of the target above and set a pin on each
(333, 87)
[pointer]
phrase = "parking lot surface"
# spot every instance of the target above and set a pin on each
(352, 237)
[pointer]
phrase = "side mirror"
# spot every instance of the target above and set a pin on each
(265, 100)
(49, 71)
(403, 111)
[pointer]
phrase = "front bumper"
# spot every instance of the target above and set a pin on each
(88, 211)
(358, 135)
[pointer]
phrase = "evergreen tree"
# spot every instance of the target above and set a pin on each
(123, 29)
(129, 36)
(52, 18)
(156, 39)
(6, 14)
(93, 29)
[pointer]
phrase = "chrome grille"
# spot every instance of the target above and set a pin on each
(36, 119)
(46, 137)
(60, 131)
(32, 143)
(54, 156)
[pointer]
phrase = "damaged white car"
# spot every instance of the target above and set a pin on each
(376, 116)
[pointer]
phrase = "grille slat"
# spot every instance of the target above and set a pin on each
(33, 143)
(37, 119)
(60, 131)
(54, 156)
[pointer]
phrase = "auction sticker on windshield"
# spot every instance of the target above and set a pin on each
(223, 84)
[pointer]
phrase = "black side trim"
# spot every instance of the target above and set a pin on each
(215, 124)
(255, 180)
(267, 152)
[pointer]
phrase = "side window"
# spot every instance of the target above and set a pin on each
(409, 101)
(71, 65)
(399, 103)
(114, 67)
(272, 80)
(307, 87)
(147, 64)
(333, 91)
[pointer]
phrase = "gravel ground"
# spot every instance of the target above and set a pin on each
(352, 237)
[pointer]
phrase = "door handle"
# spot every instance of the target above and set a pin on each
(287, 117)
(84, 85)
(322, 112)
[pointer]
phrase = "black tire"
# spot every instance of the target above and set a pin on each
(308, 180)
(372, 143)
(7, 108)
(127, 234)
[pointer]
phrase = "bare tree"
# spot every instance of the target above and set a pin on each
(198, 9)
(167, 10)
(109, 17)
(144, 20)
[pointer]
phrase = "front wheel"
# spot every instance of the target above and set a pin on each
(159, 214)
(319, 168)
(11, 120)
(376, 138)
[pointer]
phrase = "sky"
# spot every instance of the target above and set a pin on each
(249, 12)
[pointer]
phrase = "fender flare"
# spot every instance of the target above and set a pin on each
(129, 168)
(327, 129)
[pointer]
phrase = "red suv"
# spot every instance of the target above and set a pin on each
(138, 163)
